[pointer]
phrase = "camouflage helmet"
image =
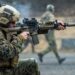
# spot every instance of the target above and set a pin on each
(8, 14)
(50, 8)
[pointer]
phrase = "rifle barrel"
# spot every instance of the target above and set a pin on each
(70, 25)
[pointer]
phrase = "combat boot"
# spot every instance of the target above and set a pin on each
(61, 60)
(40, 56)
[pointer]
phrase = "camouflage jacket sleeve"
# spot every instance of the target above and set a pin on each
(9, 50)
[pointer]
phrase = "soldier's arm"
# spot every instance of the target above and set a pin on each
(9, 50)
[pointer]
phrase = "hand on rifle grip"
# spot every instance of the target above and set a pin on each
(24, 35)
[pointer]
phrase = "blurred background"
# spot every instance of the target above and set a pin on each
(64, 10)
(37, 7)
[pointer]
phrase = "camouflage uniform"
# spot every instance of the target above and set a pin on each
(9, 54)
(48, 16)
(11, 46)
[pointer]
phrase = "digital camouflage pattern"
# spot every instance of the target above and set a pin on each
(26, 67)
(9, 51)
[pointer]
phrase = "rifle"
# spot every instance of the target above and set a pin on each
(34, 28)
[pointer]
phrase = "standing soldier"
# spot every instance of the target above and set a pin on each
(47, 17)
(11, 45)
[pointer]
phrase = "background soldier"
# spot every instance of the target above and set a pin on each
(11, 45)
(48, 16)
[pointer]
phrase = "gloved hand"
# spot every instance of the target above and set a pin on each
(59, 25)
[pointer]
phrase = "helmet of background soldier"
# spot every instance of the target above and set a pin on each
(50, 8)
(8, 14)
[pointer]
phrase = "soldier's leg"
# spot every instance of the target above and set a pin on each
(54, 49)
(52, 45)
(27, 67)
(40, 55)
(47, 50)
